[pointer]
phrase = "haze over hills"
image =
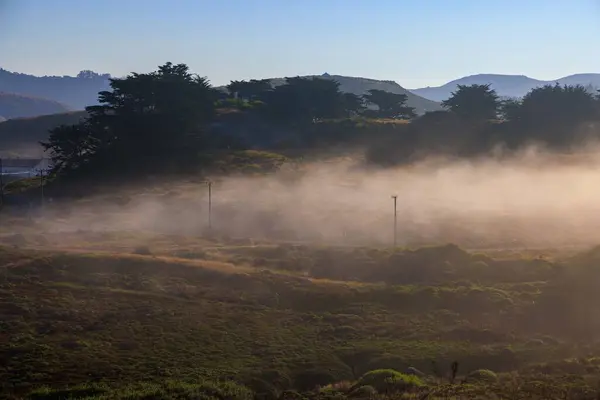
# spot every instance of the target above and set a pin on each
(22, 135)
(360, 86)
(57, 94)
(505, 85)
(76, 92)
(17, 106)
(82, 90)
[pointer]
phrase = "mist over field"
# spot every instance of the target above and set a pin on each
(530, 199)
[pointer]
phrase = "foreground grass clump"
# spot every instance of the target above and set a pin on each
(483, 376)
(389, 381)
(512, 386)
(205, 390)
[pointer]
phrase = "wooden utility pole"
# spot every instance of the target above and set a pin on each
(210, 205)
(42, 185)
(395, 197)
(1, 183)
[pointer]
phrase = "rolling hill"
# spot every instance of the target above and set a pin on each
(139, 308)
(21, 135)
(361, 86)
(505, 85)
(76, 92)
(18, 106)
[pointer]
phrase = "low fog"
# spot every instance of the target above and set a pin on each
(525, 200)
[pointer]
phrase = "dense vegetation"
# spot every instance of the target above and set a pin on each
(508, 86)
(170, 115)
(177, 317)
(135, 315)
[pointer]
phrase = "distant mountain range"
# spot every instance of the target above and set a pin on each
(75, 92)
(23, 95)
(360, 86)
(505, 85)
(78, 92)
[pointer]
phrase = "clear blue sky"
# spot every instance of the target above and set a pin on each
(414, 42)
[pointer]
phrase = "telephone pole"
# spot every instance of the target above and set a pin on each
(395, 197)
(1, 183)
(42, 185)
(210, 205)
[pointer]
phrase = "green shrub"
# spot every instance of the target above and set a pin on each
(389, 380)
(338, 387)
(75, 392)
(482, 376)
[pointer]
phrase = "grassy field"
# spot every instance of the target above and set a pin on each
(145, 315)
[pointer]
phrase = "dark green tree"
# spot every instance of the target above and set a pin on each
(552, 115)
(474, 102)
(509, 109)
(550, 105)
(305, 100)
(389, 105)
(145, 122)
(70, 146)
(249, 90)
(352, 104)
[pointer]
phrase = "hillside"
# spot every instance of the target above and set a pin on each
(116, 308)
(18, 106)
(505, 85)
(581, 79)
(76, 92)
(82, 90)
(361, 86)
(21, 135)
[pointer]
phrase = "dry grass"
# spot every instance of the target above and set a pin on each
(82, 307)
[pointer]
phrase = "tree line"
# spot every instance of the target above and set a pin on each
(163, 120)
(477, 121)
(314, 99)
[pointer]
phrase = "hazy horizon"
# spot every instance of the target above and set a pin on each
(416, 44)
(332, 74)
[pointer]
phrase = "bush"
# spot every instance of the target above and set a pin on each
(81, 391)
(482, 376)
(338, 387)
(389, 380)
